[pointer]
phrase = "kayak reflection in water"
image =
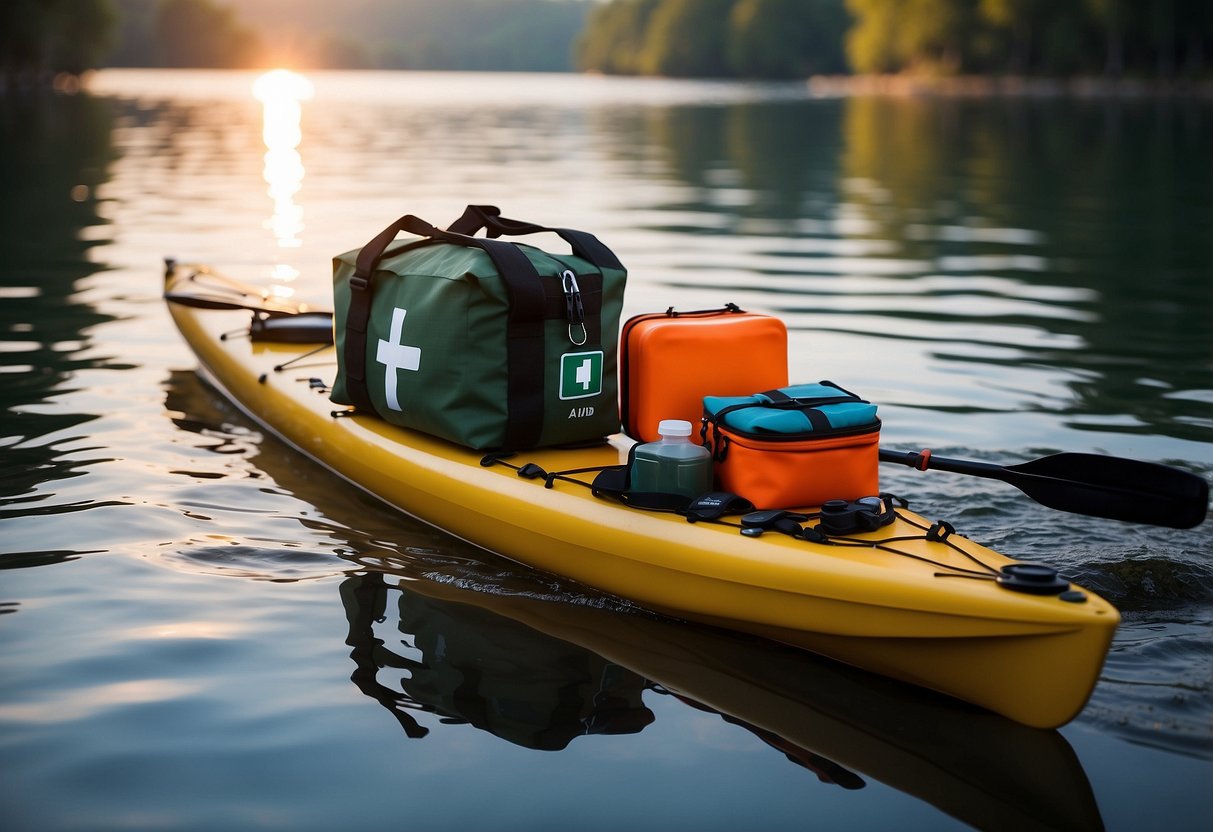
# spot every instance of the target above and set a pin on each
(539, 672)
(471, 666)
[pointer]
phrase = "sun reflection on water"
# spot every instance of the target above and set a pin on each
(282, 93)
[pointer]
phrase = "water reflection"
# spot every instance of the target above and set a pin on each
(56, 154)
(466, 665)
(538, 672)
(281, 94)
(1084, 213)
(1032, 259)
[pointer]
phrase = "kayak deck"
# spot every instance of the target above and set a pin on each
(893, 601)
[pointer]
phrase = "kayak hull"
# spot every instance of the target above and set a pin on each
(880, 604)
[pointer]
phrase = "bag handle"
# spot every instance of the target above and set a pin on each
(524, 329)
(488, 217)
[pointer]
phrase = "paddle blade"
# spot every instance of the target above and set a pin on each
(1114, 488)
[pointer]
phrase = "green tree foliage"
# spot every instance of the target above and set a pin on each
(924, 36)
(714, 38)
(795, 38)
(1163, 38)
(42, 38)
(470, 34)
(687, 38)
(382, 34)
(872, 43)
(1016, 18)
(182, 33)
(613, 36)
(786, 38)
(201, 33)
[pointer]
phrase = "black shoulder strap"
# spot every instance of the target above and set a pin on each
(524, 333)
(488, 217)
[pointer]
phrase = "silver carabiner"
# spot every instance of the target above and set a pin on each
(573, 307)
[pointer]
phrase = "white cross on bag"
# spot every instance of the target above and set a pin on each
(396, 356)
(585, 374)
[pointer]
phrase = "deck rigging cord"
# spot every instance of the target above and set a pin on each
(790, 523)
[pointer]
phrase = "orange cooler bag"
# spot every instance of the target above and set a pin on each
(794, 447)
(670, 360)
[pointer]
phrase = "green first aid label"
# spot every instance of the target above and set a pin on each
(580, 375)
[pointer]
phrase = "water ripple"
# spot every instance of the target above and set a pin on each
(1156, 688)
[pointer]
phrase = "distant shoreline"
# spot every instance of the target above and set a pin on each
(825, 86)
(1008, 85)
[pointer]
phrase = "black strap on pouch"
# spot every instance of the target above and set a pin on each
(780, 400)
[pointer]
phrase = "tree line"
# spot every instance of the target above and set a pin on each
(378, 34)
(794, 38)
(1157, 39)
(715, 38)
(42, 38)
(676, 38)
(181, 33)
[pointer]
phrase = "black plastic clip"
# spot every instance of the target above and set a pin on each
(940, 531)
(489, 460)
(814, 535)
(788, 522)
(531, 471)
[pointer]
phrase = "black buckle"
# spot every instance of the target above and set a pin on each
(940, 531)
(867, 514)
(776, 519)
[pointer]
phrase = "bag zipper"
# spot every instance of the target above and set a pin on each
(832, 433)
(719, 444)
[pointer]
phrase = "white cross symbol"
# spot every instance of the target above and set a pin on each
(584, 376)
(396, 356)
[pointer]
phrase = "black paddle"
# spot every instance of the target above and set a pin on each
(200, 287)
(269, 307)
(1099, 486)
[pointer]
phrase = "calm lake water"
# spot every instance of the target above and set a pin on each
(199, 630)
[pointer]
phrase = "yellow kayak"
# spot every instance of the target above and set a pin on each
(901, 601)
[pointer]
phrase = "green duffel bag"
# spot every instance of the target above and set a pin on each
(491, 344)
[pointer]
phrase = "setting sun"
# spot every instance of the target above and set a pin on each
(282, 84)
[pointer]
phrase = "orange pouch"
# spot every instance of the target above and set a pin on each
(836, 456)
(670, 360)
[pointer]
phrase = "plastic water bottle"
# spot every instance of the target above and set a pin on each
(674, 465)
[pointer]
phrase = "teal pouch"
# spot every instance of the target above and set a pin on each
(799, 409)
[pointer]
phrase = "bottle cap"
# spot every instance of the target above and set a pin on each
(674, 427)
